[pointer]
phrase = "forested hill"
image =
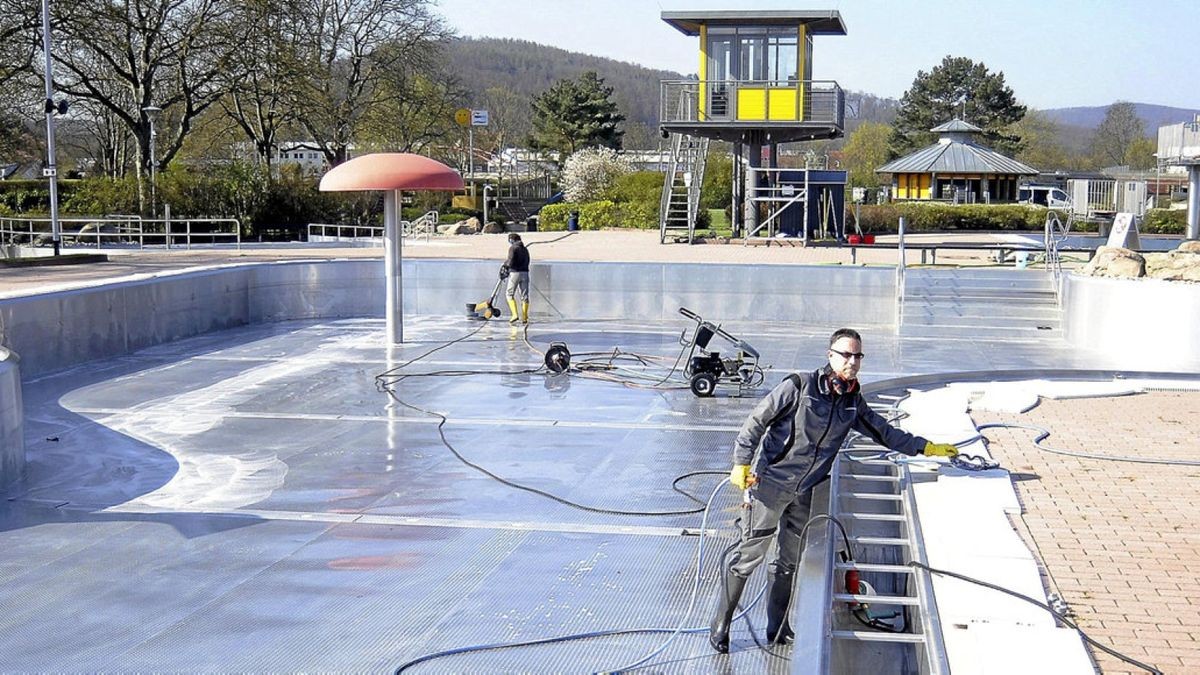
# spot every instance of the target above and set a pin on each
(1152, 116)
(527, 69)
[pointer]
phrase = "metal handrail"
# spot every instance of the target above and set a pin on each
(125, 229)
(816, 100)
(900, 276)
(374, 232)
(1055, 233)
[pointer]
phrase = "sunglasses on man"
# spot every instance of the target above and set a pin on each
(848, 355)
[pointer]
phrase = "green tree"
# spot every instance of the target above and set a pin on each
(1041, 141)
(576, 114)
(1120, 128)
(866, 149)
(958, 87)
(1140, 153)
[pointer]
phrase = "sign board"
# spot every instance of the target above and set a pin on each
(860, 194)
(1124, 232)
(49, 172)
(479, 118)
(462, 117)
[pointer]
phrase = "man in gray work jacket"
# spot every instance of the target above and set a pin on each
(801, 425)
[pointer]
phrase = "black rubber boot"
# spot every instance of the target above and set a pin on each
(779, 595)
(730, 592)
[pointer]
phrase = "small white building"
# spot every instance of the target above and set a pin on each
(305, 155)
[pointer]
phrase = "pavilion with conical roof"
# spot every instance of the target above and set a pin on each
(956, 169)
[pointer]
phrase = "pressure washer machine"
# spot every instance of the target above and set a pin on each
(707, 368)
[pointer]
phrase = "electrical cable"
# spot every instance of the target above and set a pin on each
(1045, 433)
(387, 381)
(674, 632)
(441, 429)
(557, 239)
(1106, 649)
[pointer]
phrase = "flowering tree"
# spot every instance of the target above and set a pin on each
(590, 172)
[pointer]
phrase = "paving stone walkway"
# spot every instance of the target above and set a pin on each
(1120, 541)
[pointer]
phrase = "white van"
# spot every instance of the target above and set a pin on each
(1043, 195)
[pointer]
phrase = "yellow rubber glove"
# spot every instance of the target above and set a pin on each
(741, 477)
(940, 449)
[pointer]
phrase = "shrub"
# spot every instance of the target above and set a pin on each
(554, 216)
(599, 215)
(924, 217)
(718, 181)
(638, 196)
(101, 195)
(1165, 221)
(589, 173)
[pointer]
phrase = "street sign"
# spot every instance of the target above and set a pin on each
(49, 172)
(462, 116)
(479, 118)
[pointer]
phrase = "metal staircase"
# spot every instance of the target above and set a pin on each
(518, 200)
(1008, 303)
(679, 207)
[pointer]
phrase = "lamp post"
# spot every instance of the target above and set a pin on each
(486, 189)
(152, 113)
(51, 170)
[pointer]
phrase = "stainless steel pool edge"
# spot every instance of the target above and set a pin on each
(63, 328)
(12, 419)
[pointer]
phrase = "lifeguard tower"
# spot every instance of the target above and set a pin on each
(755, 90)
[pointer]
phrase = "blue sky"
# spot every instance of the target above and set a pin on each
(1053, 53)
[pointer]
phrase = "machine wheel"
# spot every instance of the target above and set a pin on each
(704, 384)
(490, 313)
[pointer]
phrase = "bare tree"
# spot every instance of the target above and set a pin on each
(348, 48)
(103, 138)
(263, 74)
(21, 95)
(1120, 128)
(127, 55)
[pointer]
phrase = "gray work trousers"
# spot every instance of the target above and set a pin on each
(779, 519)
(518, 286)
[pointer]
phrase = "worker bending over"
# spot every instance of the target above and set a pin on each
(517, 265)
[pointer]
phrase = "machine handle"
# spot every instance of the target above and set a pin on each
(689, 313)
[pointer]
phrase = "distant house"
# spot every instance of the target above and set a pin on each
(957, 169)
(647, 160)
(304, 154)
(7, 170)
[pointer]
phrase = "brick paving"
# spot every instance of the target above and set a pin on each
(1120, 541)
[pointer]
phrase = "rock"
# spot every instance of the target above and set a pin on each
(1112, 261)
(1189, 246)
(468, 226)
(493, 228)
(1174, 265)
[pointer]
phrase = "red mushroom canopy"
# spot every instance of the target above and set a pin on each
(391, 171)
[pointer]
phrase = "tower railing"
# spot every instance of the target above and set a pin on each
(751, 101)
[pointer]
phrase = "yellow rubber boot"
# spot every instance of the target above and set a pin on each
(525, 312)
(512, 307)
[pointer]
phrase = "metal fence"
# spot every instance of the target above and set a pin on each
(424, 226)
(122, 231)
